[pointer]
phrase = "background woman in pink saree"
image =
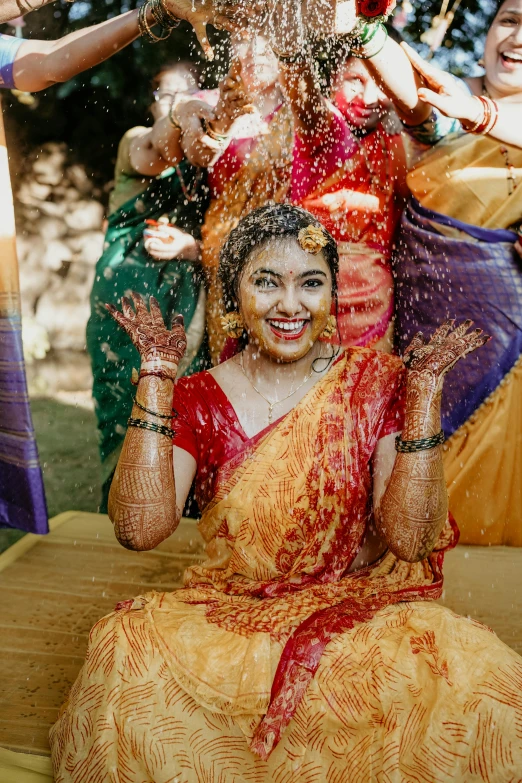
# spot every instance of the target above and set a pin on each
(349, 170)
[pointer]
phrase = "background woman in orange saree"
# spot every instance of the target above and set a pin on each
(306, 646)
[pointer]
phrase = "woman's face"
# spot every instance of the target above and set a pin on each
(358, 97)
(173, 85)
(259, 67)
(503, 51)
(285, 298)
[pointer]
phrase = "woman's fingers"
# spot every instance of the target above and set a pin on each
(118, 317)
(461, 330)
(141, 308)
(431, 75)
(440, 334)
(200, 28)
(128, 312)
(155, 312)
(447, 105)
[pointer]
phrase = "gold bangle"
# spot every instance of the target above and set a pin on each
(173, 121)
(212, 134)
(144, 27)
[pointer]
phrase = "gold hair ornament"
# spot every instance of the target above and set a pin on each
(312, 239)
(233, 325)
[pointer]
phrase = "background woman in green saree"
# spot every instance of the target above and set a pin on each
(177, 191)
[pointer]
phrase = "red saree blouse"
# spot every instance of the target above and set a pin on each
(207, 427)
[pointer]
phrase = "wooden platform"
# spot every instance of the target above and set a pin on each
(55, 588)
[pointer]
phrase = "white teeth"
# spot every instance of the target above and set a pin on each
(513, 56)
(285, 326)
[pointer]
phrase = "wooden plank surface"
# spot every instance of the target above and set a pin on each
(52, 595)
(61, 584)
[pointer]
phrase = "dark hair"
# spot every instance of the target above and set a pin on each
(332, 54)
(273, 221)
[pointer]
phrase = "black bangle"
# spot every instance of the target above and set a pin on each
(423, 444)
(141, 424)
(153, 413)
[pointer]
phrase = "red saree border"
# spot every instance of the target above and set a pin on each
(302, 653)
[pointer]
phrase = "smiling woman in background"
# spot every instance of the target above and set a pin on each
(457, 254)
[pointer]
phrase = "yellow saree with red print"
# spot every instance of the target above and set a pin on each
(276, 662)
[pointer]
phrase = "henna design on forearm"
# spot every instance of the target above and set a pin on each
(414, 507)
(142, 500)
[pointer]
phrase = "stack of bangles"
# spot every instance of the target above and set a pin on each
(162, 17)
(487, 121)
(367, 39)
(142, 424)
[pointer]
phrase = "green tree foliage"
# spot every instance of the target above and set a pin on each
(464, 42)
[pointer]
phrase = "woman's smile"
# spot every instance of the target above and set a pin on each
(288, 328)
(285, 298)
(511, 60)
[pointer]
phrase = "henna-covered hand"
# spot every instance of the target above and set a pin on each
(148, 332)
(414, 507)
(446, 346)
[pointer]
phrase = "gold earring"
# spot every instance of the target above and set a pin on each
(330, 329)
(233, 325)
(481, 62)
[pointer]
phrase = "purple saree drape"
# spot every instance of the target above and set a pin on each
(22, 498)
(476, 275)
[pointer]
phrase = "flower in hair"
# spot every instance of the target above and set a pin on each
(312, 239)
(373, 9)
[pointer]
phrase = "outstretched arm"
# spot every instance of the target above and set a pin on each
(40, 64)
(149, 489)
(440, 90)
(411, 512)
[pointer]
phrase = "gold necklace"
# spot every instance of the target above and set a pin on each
(510, 174)
(270, 404)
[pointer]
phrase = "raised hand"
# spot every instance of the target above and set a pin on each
(234, 100)
(156, 344)
(446, 346)
(442, 91)
(200, 13)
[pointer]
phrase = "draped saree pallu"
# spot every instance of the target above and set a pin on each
(22, 497)
(126, 266)
(275, 663)
(463, 264)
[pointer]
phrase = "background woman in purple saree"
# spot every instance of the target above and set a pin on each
(456, 256)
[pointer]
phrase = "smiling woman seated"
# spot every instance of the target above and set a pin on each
(307, 646)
